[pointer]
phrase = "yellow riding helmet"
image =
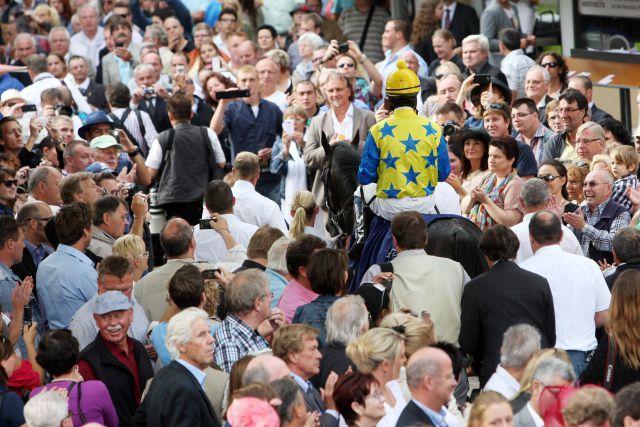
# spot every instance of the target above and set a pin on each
(402, 81)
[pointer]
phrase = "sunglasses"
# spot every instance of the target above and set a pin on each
(499, 106)
(550, 65)
(347, 65)
(10, 182)
(548, 177)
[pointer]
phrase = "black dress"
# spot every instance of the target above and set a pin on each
(622, 373)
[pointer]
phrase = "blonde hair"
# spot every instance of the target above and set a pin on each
(527, 375)
(481, 404)
(374, 347)
(626, 154)
(600, 158)
(129, 246)
(304, 205)
(449, 68)
(418, 333)
(53, 14)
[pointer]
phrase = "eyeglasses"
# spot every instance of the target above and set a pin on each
(567, 110)
(347, 65)
(591, 184)
(520, 115)
(587, 141)
(10, 182)
(548, 177)
(550, 64)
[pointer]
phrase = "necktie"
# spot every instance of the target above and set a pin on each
(447, 18)
(315, 397)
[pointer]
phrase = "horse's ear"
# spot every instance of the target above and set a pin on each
(355, 142)
(325, 145)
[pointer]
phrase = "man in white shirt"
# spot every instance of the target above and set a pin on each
(580, 294)
(210, 246)
(395, 41)
(268, 76)
(250, 206)
(90, 40)
(42, 80)
(519, 344)
(535, 198)
(59, 42)
(515, 63)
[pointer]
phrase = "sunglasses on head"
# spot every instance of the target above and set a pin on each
(347, 65)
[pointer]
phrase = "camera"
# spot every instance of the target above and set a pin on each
(450, 127)
(343, 47)
(149, 90)
(62, 110)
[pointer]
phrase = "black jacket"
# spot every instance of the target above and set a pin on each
(26, 267)
(612, 278)
(175, 399)
(96, 97)
(158, 113)
(487, 69)
(595, 371)
(117, 377)
(412, 415)
(504, 296)
(597, 114)
(464, 22)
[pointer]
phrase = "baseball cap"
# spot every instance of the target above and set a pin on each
(105, 141)
(111, 301)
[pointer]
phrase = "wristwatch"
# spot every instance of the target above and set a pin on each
(133, 153)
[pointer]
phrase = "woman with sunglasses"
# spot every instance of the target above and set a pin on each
(8, 190)
(354, 66)
(619, 349)
(554, 173)
(497, 199)
(381, 353)
(556, 66)
(359, 400)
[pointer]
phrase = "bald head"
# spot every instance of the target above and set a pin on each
(176, 239)
(430, 377)
(264, 369)
(247, 53)
(427, 361)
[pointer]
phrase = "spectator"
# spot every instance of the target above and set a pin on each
(58, 354)
(479, 308)
(599, 217)
(250, 206)
(593, 406)
(474, 162)
(264, 369)
(305, 96)
(258, 132)
(589, 141)
(395, 41)
(381, 352)
(44, 186)
(555, 174)
(8, 191)
(552, 372)
(627, 409)
(211, 244)
(475, 56)
(247, 53)
(497, 17)
(580, 295)
(444, 45)
(327, 273)
(32, 217)
(519, 344)
(77, 156)
(495, 200)
(536, 85)
(248, 300)
(365, 92)
(358, 399)
(431, 381)
(298, 347)
(575, 179)
(277, 268)
(114, 274)
(227, 25)
(127, 51)
(120, 362)
(555, 64)
(177, 40)
(622, 369)
(66, 279)
(110, 220)
(615, 133)
(12, 142)
(584, 85)
(90, 40)
(292, 411)
(258, 248)
(515, 63)
(624, 165)
(573, 110)
(47, 409)
(150, 96)
(307, 43)
(268, 72)
(352, 22)
(133, 248)
(176, 239)
(425, 23)
(535, 198)
(490, 408)
(626, 253)
(176, 396)
(531, 131)
(79, 187)
(460, 19)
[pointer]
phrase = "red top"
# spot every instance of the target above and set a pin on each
(24, 379)
(127, 358)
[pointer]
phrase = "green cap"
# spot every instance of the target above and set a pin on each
(105, 141)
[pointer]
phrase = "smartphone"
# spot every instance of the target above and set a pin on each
(29, 108)
(216, 64)
(210, 274)
(232, 94)
(287, 126)
(482, 79)
(119, 44)
(205, 224)
(27, 318)
(386, 105)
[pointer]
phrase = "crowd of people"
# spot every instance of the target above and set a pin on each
(166, 189)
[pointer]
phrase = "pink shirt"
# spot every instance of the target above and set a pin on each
(293, 296)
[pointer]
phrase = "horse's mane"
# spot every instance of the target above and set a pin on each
(345, 163)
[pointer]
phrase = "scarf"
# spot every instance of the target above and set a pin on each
(493, 188)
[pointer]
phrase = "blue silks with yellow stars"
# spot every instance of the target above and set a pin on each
(406, 155)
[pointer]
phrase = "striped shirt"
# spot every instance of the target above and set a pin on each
(352, 23)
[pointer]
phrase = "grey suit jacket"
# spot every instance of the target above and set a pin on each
(313, 151)
(492, 20)
(523, 418)
(110, 70)
(313, 402)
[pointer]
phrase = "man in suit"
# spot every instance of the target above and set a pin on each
(340, 123)
(176, 396)
(498, 16)
(431, 381)
(297, 345)
(491, 303)
(33, 216)
(584, 85)
(461, 20)
(118, 66)
(626, 253)
(94, 92)
(149, 96)
(475, 56)
(551, 372)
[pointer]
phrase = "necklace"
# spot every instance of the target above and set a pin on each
(64, 379)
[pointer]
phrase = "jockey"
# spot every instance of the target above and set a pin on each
(404, 154)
